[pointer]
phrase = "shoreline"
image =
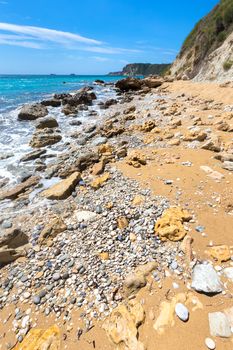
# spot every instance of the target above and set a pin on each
(152, 150)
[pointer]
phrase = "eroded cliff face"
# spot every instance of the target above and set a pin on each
(207, 53)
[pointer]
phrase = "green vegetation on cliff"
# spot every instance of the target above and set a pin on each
(143, 69)
(210, 32)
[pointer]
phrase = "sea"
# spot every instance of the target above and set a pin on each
(15, 135)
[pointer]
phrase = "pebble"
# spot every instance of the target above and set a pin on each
(56, 276)
(210, 343)
(182, 312)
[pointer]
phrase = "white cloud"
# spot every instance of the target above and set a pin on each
(38, 38)
(3, 2)
(100, 59)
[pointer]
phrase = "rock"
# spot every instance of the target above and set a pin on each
(129, 84)
(99, 141)
(215, 175)
(221, 253)
(195, 136)
(51, 230)
(85, 160)
(98, 168)
(104, 256)
(44, 137)
(33, 155)
(69, 110)
(228, 272)
(32, 112)
(122, 222)
(85, 216)
(122, 325)
(64, 188)
(82, 97)
(227, 165)
(219, 325)
(152, 82)
(182, 312)
(38, 339)
(47, 122)
(13, 244)
(137, 279)
(108, 103)
(170, 225)
(136, 159)
(62, 96)
(205, 279)
(99, 181)
(210, 344)
(53, 102)
(212, 145)
(138, 200)
(229, 314)
(20, 188)
(99, 82)
(148, 126)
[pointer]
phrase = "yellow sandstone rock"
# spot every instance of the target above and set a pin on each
(122, 326)
(104, 256)
(122, 222)
(51, 230)
(138, 200)
(221, 253)
(170, 225)
(136, 159)
(64, 188)
(99, 181)
(105, 148)
(37, 339)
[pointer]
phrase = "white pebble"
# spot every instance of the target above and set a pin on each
(210, 343)
(182, 312)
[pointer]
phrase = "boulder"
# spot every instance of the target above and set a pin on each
(51, 230)
(153, 82)
(52, 103)
(219, 325)
(32, 112)
(44, 137)
(47, 122)
(99, 82)
(85, 160)
(80, 98)
(129, 84)
(33, 155)
(64, 188)
(13, 244)
(170, 225)
(213, 144)
(62, 96)
(38, 339)
(122, 325)
(205, 279)
(20, 188)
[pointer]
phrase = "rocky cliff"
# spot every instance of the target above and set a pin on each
(143, 69)
(207, 53)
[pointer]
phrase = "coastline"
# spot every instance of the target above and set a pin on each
(154, 152)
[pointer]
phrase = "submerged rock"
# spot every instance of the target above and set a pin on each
(205, 279)
(32, 112)
(47, 122)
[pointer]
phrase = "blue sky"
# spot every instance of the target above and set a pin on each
(92, 36)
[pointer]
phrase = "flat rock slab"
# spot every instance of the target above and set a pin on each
(219, 325)
(20, 188)
(205, 279)
(85, 215)
(64, 188)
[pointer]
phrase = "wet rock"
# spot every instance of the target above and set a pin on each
(219, 325)
(13, 244)
(47, 122)
(129, 84)
(51, 230)
(44, 137)
(64, 188)
(53, 103)
(205, 279)
(33, 155)
(170, 225)
(20, 188)
(32, 112)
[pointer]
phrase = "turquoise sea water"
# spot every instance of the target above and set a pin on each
(19, 89)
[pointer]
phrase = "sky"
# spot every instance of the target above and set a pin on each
(93, 36)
